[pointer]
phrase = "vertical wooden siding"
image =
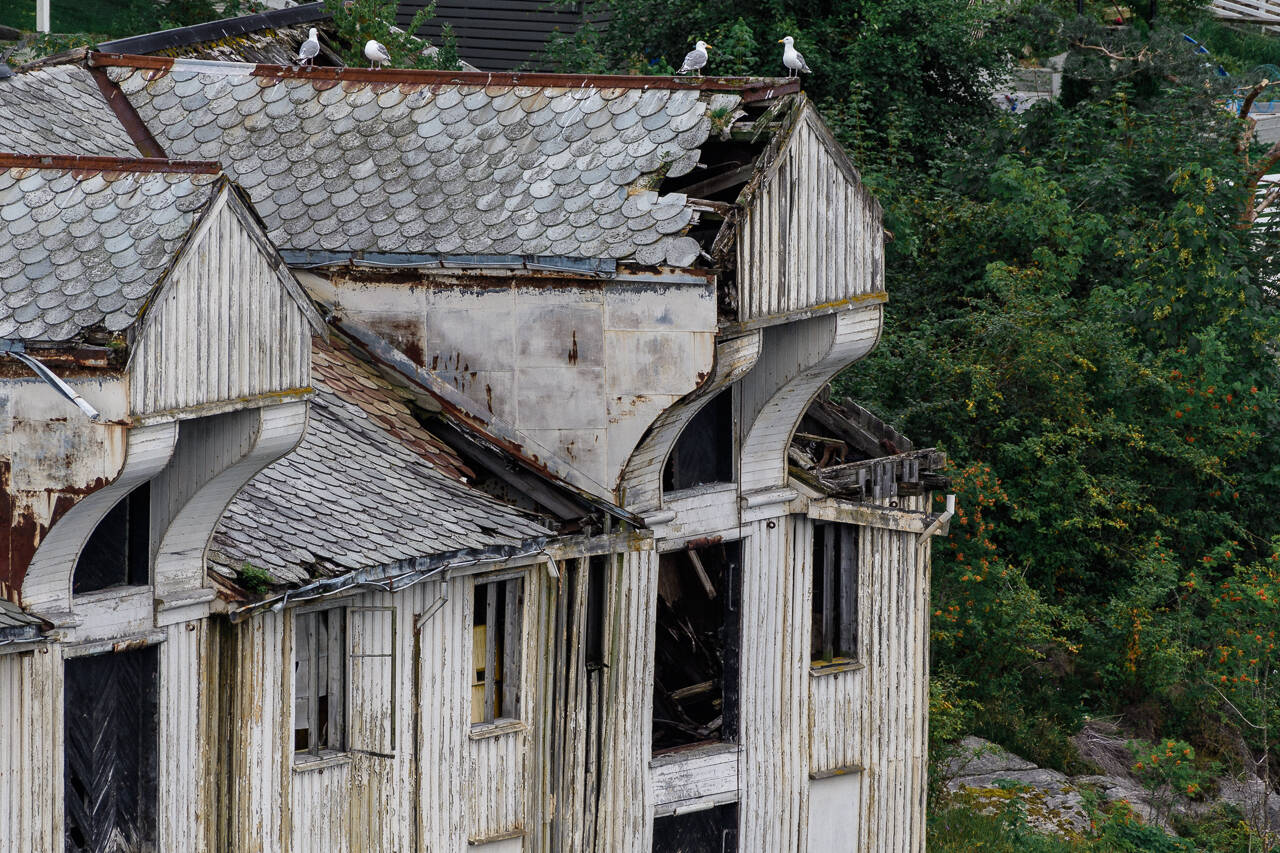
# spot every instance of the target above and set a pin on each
(185, 762)
(31, 751)
(626, 809)
(893, 701)
(812, 234)
(774, 687)
(251, 338)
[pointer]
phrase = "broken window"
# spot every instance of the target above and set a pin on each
(834, 635)
(597, 568)
(713, 830)
(495, 650)
(318, 678)
(704, 451)
(695, 686)
(118, 550)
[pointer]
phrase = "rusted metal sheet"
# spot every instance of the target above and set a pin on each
(811, 235)
(88, 163)
(252, 336)
(51, 458)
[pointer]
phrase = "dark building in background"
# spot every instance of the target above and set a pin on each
(499, 35)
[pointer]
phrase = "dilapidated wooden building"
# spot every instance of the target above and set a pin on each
(463, 478)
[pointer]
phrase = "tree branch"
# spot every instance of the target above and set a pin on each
(1142, 54)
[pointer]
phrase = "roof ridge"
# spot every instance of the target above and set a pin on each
(219, 29)
(751, 88)
(94, 163)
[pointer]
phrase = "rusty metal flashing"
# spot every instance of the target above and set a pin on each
(214, 30)
(86, 163)
(751, 89)
(393, 577)
(590, 267)
(127, 115)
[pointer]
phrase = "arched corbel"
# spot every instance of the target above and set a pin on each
(47, 587)
(640, 487)
(230, 449)
(797, 360)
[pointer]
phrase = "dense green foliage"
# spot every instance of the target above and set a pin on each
(118, 18)
(357, 21)
(1078, 316)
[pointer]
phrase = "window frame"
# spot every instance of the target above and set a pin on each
(835, 642)
(120, 525)
(314, 751)
(501, 706)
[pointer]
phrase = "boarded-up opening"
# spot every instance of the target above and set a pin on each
(834, 634)
(319, 653)
(696, 666)
(118, 550)
(110, 752)
(704, 451)
(713, 830)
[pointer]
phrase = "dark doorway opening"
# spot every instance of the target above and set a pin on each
(696, 666)
(703, 453)
(713, 830)
(110, 752)
(118, 550)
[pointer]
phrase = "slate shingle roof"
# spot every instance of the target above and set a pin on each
(13, 619)
(59, 110)
(439, 168)
(354, 494)
(82, 248)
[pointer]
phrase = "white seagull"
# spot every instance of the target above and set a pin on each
(309, 49)
(376, 53)
(695, 59)
(792, 58)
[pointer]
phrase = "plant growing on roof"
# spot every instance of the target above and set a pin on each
(254, 580)
(358, 21)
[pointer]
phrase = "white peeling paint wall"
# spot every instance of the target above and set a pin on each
(581, 370)
(31, 750)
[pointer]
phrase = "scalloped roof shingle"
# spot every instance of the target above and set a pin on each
(83, 249)
(435, 168)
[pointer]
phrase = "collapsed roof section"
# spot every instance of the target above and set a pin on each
(843, 450)
(317, 513)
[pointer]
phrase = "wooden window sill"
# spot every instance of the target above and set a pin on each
(303, 761)
(820, 668)
(497, 728)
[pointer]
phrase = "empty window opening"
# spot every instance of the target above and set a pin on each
(713, 830)
(705, 449)
(597, 574)
(495, 650)
(319, 697)
(834, 635)
(695, 686)
(118, 550)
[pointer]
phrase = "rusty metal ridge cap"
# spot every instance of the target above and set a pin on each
(751, 88)
(128, 117)
(219, 29)
(86, 163)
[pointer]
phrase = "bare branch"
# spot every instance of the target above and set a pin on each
(1253, 94)
(1142, 54)
(1234, 708)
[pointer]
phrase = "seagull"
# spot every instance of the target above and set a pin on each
(695, 59)
(307, 52)
(376, 53)
(792, 58)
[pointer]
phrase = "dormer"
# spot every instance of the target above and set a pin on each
(147, 290)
